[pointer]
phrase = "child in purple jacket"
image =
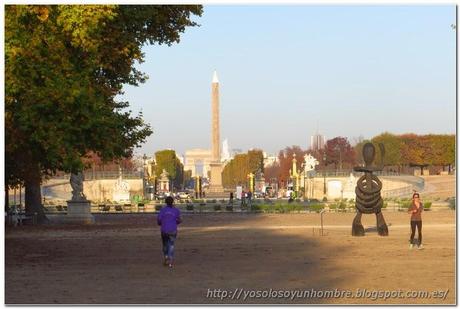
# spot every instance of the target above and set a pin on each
(169, 218)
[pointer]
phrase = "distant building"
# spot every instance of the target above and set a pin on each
(181, 159)
(235, 151)
(198, 161)
(225, 156)
(269, 160)
(317, 142)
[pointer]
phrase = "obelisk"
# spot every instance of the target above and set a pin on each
(215, 184)
(215, 143)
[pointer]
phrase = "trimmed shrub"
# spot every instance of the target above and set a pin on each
(405, 204)
(452, 203)
(316, 207)
(333, 206)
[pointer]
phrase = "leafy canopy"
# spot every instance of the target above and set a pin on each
(65, 65)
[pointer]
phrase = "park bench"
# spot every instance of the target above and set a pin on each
(16, 216)
(27, 218)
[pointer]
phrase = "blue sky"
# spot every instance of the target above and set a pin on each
(284, 70)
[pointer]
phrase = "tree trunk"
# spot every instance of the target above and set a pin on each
(33, 201)
(421, 170)
(7, 198)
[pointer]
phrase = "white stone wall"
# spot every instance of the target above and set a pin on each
(388, 184)
(95, 190)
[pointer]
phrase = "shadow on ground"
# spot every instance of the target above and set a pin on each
(118, 261)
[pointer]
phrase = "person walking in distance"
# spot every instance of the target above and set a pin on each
(415, 210)
(231, 198)
(168, 218)
(249, 195)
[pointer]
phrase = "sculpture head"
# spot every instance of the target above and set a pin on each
(368, 153)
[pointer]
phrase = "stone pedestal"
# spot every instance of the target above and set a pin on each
(215, 185)
(79, 212)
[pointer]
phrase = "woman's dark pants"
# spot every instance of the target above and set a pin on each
(413, 225)
(168, 240)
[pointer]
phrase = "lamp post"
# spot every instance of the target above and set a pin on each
(154, 175)
(294, 175)
(251, 182)
(324, 172)
(339, 149)
(144, 175)
(197, 187)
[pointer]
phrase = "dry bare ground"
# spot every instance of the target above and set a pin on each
(118, 260)
(439, 186)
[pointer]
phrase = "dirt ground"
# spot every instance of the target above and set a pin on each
(439, 187)
(232, 258)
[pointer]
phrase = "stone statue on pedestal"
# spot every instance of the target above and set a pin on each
(76, 182)
(79, 208)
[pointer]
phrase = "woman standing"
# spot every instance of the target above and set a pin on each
(415, 210)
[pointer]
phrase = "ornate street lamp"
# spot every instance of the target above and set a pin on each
(251, 182)
(144, 175)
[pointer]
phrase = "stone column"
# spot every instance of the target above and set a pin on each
(215, 130)
(215, 185)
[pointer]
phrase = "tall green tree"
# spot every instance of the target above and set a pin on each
(236, 170)
(64, 67)
(168, 161)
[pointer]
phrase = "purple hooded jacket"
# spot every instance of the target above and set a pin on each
(169, 218)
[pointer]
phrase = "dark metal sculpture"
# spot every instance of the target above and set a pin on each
(368, 187)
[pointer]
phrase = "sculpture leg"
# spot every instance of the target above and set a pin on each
(357, 228)
(382, 227)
